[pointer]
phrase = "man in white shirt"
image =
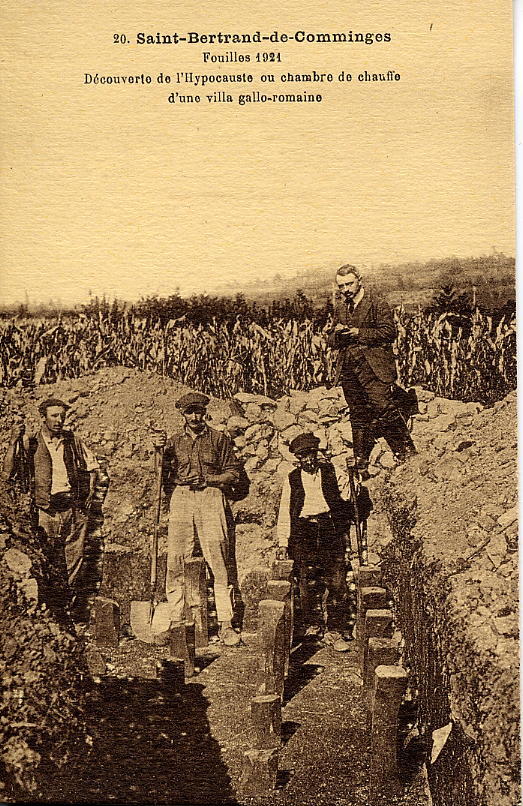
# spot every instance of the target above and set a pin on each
(312, 525)
(63, 475)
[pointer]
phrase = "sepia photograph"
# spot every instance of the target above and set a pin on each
(258, 370)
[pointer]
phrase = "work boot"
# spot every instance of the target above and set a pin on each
(362, 444)
(227, 635)
(398, 437)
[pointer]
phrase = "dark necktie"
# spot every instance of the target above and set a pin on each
(350, 306)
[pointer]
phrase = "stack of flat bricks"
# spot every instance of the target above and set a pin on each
(281, 591)
(368, 576)
(369, 598)
(171, 674)
(380, 652)
(259, 772)
(377, 624)
(283, 572)
(390, 682)
(106, 621)
(272, 647)
(196, 599)
(275, 625)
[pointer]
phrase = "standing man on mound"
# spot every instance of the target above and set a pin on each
(198, 467)
(366, 369)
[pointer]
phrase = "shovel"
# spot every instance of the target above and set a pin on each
(149, 622)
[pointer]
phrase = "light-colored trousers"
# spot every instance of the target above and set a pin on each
(197, 513)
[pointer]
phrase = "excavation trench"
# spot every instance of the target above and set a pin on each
(444, 530)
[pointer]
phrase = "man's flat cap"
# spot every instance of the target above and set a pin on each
(192, 399)
(304, 442)
(51, 401)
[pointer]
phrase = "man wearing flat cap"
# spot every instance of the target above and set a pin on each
(198, 467)
(62, 473)
(313, 520)
(366, 370)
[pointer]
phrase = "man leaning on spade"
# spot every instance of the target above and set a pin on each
(366, 370)
(199, 466)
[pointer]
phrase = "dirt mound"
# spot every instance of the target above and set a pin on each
(114, 410)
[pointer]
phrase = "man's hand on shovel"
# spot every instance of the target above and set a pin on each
(159, 438)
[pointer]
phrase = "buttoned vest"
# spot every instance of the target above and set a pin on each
(42, 469)
(329, 485)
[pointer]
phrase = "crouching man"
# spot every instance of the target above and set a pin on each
(312, 523)
(198, 467)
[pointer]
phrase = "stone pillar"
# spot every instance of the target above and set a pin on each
(369, 576)
(190, 643)
(95, 662)
(281, 591)
(182, 645)
(378, 624)
(390, 683)
(370, 597)
(380, 652)
(260, 769)
(106, 621)
(171, 675)
(271, 647)
(283, 570)
(266, 721)
(196, 599)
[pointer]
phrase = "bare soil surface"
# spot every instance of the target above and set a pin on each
(154, 748)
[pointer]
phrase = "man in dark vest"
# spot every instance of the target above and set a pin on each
(366, 369)
(312, 524)
(62, 474)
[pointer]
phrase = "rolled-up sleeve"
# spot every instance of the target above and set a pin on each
(91, 462)
(229, 463)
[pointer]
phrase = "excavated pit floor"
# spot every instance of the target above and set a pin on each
(152, 748)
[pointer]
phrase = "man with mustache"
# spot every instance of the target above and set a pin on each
(199, 466)
(366, 369)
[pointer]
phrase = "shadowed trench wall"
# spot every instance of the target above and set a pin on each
(452, 568)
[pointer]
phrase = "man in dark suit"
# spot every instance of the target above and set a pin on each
(366, 369)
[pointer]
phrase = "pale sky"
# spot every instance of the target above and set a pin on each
(111, 189)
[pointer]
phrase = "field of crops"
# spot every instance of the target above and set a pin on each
(475, 360)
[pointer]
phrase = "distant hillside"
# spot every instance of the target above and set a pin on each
(490, 279)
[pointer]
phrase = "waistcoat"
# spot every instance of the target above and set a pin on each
(329, 485)
(42, 467)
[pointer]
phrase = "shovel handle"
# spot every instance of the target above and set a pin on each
(357, 523)
(158, 465)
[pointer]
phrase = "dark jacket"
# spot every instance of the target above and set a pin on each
(377, 332)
